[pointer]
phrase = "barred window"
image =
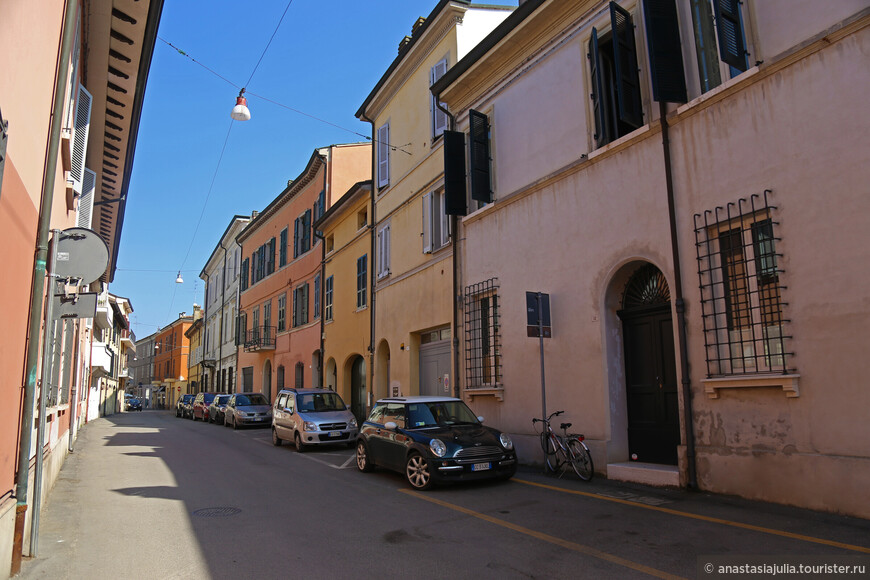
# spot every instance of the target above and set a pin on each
(482, 336)
(741, 293)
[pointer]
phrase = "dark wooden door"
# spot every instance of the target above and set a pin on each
(358, 389)
(651, 385)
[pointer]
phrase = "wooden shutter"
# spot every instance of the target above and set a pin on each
(86, 202)
(305, 304)
(306, 231)
(383, 155)
(427, 223)
(732, 40)
(81, 129)
(602, 135)
(282, 252)
(665, 51)
(4, 141)
(271, 261)
(481, 189)
(442, 217)
(454, 172)
(439, 118)
(295, 321)
(625, 59)
(296, 238)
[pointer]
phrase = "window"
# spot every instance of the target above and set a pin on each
(255, 324)
(438, 117)
(282, 253)
(245, 270)
(282, 400)
(720, 40)
(362, 218)
(384, 251)
(300, 375)
(741, 291)
(383, 148)
(482, 337)
(616, 96)
(270, 257)
(282, 309)
(320, 205)
(327, 300)
(300, 305)
(317, 296)
(361, 281)
(302, 234)
(330, 243)
(436, 230)
(267, 315)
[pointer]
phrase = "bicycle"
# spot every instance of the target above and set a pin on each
(561, 451)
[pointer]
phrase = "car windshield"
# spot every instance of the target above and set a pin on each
(207, 399)
(319, 402)
(440, 414)
(250, 400)
(221, 399)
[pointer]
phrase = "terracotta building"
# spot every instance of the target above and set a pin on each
(278, 330)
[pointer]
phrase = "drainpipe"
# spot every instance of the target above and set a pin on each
(680, 304)
(37, 287)
(219, 362)
(454, 225)
(204, 333)
(373, 250)
(319, 235)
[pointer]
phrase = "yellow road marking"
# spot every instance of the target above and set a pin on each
(589, 551)
(703, 518)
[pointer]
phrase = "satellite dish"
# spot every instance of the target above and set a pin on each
(81, 253)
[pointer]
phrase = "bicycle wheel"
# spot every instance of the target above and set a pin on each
(581, 459)
(551, 447)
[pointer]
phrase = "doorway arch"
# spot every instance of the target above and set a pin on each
(651, 393)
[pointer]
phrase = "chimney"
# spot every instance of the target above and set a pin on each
(403, 44)
(254, 214)
(419, 23)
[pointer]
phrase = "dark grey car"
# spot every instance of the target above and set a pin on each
(248, 409)
(217, 408)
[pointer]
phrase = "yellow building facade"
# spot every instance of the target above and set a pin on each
(413, 276)
(346, 230)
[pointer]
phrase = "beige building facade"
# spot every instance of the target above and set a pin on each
(412, 305)
(706, 301)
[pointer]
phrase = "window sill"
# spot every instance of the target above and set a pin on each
(788, 383)
(497, 392)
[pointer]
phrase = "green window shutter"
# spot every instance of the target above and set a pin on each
(665, 51)
(296, 232)
(271, 261)
(625, 59)
(732, 38)
(282, 252)
(481, 188)
(602, 135)
(454, 172)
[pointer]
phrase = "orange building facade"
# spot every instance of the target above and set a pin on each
(172, 352)
(280, 324)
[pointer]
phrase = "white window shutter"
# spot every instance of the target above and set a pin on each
(383, 135)
(80, 138)
(427, 223)
(86, 202)
(442, 215)
(387, 250)
(439, 118)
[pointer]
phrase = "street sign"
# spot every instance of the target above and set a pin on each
(82, 305)
(538, 315)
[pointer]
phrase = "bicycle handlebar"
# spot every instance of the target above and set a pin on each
(547, 420)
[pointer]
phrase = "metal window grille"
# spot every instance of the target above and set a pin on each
(741, 292)
(482, 335)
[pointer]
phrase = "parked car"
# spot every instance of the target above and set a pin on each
(310, 417)
(134, 404)
(433, 440)
(248, 409)
(183, 405)
(217, 409)
(200, 406)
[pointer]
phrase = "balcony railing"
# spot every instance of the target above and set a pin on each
(104, 316)
(261, 338)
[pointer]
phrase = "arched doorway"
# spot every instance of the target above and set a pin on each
(358, 388)
(267, 380)
(650, 368)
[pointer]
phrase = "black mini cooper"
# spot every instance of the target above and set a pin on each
(433, 440)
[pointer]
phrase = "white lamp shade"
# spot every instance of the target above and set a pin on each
(240, 111)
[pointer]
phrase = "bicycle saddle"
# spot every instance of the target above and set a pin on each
(565, 425)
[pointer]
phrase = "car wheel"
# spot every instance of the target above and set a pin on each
(177, 413)
(417, 472)
(276, 441)
(297, 441)
(363, 462)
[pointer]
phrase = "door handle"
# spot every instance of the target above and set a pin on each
(659, 379)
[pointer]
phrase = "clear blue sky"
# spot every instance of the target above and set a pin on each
(324, 60)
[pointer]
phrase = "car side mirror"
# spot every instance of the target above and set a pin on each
(288, 410)
(390, 426)
(479, 418)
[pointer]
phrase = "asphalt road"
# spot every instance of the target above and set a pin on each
(147, 495)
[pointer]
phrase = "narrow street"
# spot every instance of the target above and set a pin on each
(148, 495)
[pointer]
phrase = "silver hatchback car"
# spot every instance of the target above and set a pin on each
(311, 417)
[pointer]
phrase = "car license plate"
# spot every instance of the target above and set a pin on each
(334, 434)
(481, 466)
